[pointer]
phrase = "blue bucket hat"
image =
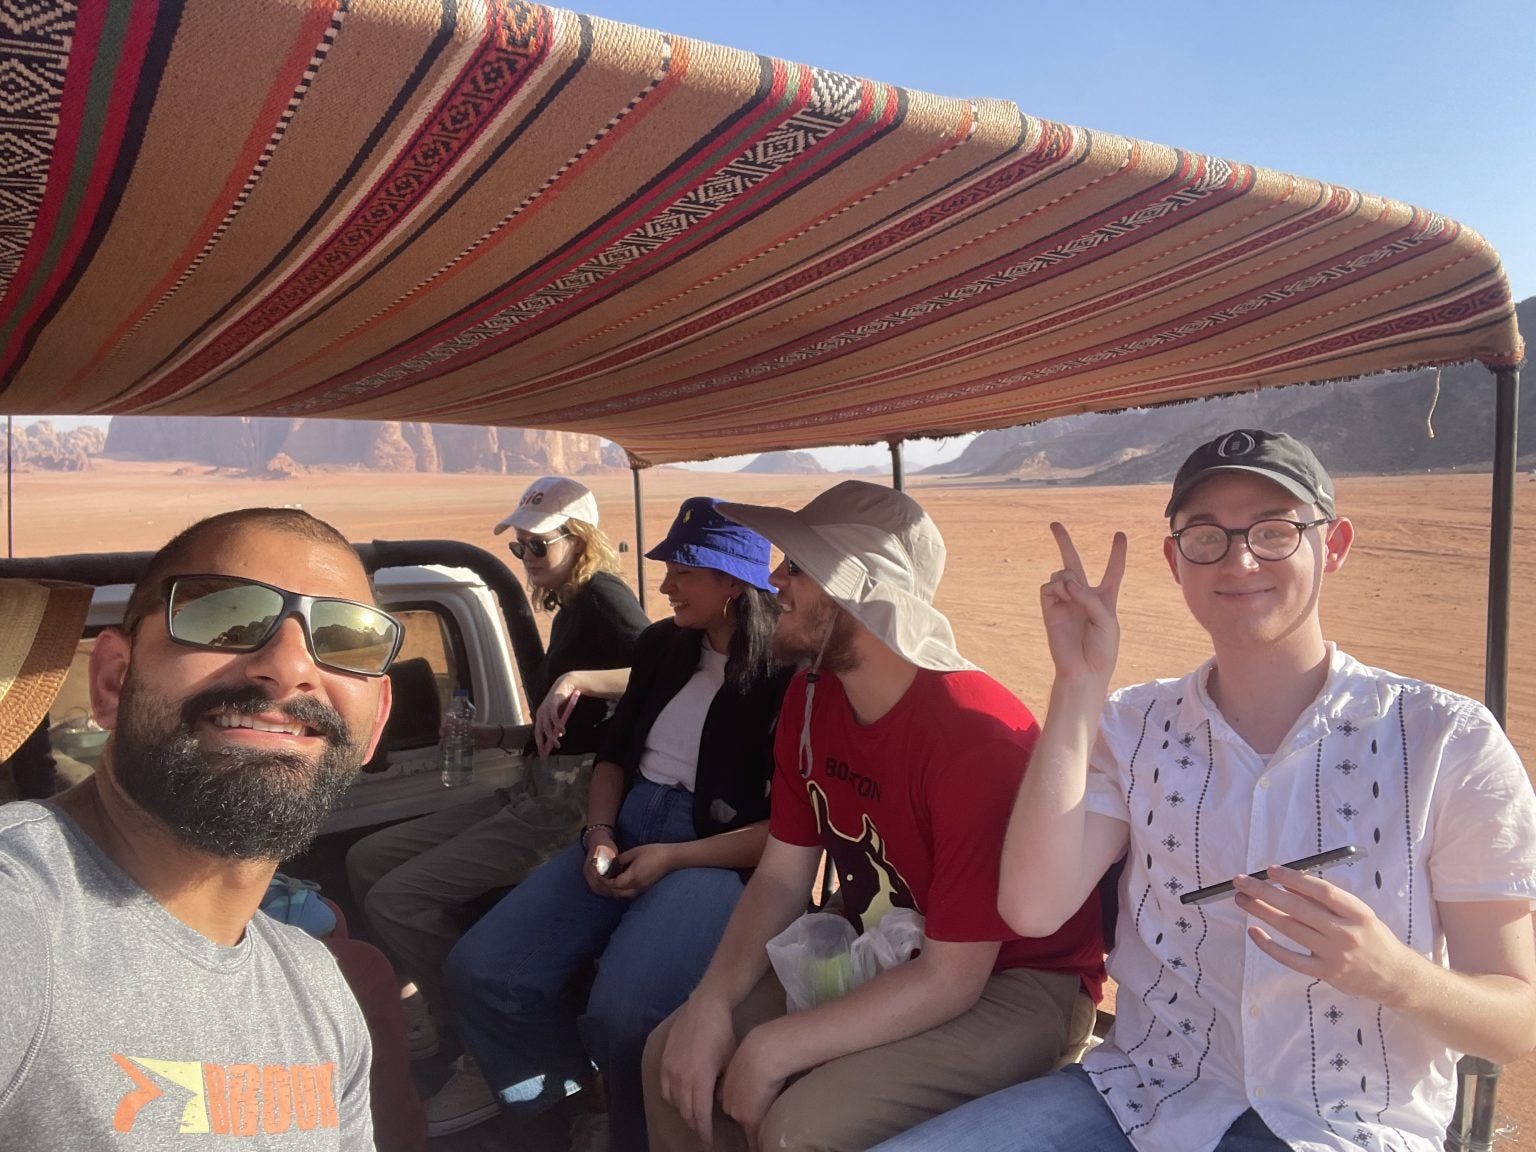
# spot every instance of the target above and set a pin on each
(702, 538)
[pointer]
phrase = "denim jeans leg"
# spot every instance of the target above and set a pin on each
(653, 961)
(1062, 1112)
(655, 814)
(507, 981)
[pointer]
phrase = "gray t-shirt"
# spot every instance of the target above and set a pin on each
(123, 1028)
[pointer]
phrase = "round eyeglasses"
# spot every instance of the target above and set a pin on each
(537, 547)
(1275, 539)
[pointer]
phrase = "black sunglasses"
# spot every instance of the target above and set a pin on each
(233, 614)
(537, 547)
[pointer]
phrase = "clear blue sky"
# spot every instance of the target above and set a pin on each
(1428, 101)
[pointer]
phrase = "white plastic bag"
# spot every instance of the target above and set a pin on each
(889, 943)
(818, 957)
(813, 959)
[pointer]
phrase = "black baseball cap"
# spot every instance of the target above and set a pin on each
(1273, 455)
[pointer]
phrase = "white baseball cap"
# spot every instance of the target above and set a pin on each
(548, 503)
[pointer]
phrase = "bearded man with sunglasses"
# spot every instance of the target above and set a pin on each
(144, 998)
(1289, 1010)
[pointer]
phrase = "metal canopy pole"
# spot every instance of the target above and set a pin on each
(1501, 539)
(1477, 1079)
(898, 471)
(639, 536)
(10, 524)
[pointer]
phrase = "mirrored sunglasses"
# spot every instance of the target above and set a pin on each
(232, 614)
(537, 547)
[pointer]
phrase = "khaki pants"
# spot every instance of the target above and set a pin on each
(1019, 1027)
(412, 879)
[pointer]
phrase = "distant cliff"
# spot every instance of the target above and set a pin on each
(42, 447)
(792, 463)
(1398, 422)
(261, 444)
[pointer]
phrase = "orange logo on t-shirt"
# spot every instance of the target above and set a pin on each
(231, 1099)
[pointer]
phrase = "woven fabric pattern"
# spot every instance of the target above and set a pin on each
(493, 212)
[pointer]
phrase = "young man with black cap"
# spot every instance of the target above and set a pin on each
(900, 759)
(1299, 1010)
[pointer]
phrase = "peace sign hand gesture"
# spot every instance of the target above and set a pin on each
(1080, 620)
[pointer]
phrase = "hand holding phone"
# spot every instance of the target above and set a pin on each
(1315, 863)
(547, 743)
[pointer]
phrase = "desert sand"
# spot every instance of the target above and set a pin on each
(1411, 597)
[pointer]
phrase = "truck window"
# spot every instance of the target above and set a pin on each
(71, 733)
(432, 647)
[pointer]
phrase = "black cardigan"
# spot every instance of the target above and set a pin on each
(735, 764)
(597, 629)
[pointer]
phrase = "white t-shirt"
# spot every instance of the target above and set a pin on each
(671, 755)
(1422, 780)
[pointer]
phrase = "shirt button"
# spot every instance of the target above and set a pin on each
(1254, 1012)
(1263, 781)
(1258, 1093)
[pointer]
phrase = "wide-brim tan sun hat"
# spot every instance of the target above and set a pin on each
(878, 555)
(40, 625)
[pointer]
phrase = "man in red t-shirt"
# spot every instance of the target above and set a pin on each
(901, 759)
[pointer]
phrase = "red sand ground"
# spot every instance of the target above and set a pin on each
(1411, 597)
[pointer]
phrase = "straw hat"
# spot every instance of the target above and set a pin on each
(40, 624)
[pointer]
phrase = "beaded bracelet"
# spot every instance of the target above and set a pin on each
(592, 828)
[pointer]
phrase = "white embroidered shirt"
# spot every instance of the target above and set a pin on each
(1422, 780)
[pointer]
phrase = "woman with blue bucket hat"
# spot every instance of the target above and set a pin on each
(677, 808)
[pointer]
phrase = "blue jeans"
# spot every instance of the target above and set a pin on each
(1062, 1112)
(507, 978)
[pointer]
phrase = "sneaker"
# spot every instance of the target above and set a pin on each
(420, 1032)
(464, 1101)
(589, 1132)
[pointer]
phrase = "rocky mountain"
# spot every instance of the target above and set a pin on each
(281, 447)
(782, 463)
(41, 447)
(1400, 422)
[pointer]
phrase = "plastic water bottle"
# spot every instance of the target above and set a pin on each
(457, 751)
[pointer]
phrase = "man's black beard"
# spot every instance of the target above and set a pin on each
(235, 803)
(839, 654)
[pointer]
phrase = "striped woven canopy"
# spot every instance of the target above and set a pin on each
(487, 212)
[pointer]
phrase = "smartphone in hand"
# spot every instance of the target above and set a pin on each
(547, 746)
(1315, 863)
